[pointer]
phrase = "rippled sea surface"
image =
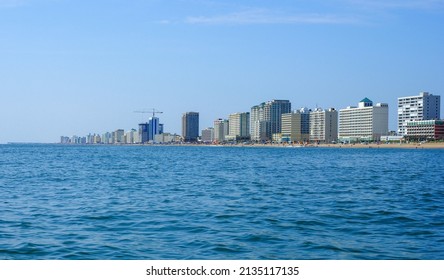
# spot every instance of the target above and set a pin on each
(122, 202)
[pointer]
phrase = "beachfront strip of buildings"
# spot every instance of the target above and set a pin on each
(275, 121)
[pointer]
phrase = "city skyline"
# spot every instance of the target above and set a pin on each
(275, 121)
(83, 67)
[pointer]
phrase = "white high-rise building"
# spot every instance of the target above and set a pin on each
(421, 107)
(365, 122)
(221, 130)
(131, 137)
(239, 128)
(258, 125)
(107, 138)
(208, 135)
(324, 125)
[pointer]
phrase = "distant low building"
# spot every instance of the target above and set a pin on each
(74, 140)
(392, 138)
(276, 138)
(425, 130)
(165, 138)
(64, 140)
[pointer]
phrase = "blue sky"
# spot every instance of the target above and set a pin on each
(77, 67)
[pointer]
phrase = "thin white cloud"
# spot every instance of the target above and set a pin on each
(261, 16)
(399, 4)
(346, 12)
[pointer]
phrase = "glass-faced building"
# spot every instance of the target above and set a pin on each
(265, 119)
(190, 126)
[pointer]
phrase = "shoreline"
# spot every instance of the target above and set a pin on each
(385, 146)
(339, 146)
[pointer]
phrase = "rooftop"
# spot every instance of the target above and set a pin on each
(366, 100)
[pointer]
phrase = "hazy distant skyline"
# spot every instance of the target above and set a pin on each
(79, 67)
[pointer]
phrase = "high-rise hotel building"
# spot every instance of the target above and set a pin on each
(208, 135)
(221, 130)
(367, 122)
(239, 126)
(258, 124)
(324, 125)
(190, 126)
(265, 119)
(296, 126)
(421, 107)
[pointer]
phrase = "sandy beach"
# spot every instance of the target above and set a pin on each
(434, 145)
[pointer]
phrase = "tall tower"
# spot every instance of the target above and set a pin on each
(265, 119)
(221, 128)
(258, 124)
(153, 128)
(239, 126)
(273, 112)
(190, 126)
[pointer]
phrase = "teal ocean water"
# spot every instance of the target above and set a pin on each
(123, 202)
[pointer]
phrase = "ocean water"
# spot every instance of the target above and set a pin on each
(124, 202)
